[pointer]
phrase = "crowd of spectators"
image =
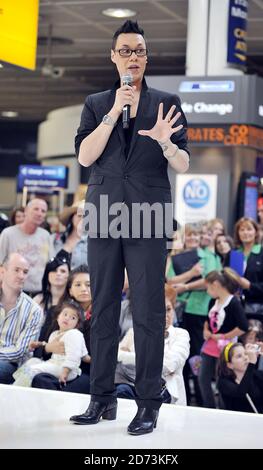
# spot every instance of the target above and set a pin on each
(214, 310)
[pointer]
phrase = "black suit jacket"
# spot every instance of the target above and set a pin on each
(142, 176)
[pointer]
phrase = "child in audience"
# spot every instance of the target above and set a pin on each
(226, 321)
(239, 383)
(63, 366)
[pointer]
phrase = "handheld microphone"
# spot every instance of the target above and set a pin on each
(126, 80)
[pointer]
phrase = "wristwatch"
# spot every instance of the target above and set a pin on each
(108, 120)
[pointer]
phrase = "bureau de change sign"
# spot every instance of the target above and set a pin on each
(44, 177)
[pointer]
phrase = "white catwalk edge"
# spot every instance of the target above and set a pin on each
(39, 419)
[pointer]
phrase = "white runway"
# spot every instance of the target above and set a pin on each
(38, 419)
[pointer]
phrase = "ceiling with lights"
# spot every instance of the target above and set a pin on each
(73, 54)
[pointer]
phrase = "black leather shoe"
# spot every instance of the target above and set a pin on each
(95, 411)
(144, 421)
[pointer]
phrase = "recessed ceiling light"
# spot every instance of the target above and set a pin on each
(9, 114)
(119, 12)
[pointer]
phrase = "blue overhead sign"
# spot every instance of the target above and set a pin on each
(44, 177)
(207, 86)
(235, 100)
(237, 32)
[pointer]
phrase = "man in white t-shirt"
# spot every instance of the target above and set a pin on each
(31, 241)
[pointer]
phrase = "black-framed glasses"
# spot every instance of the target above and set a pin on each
(126, 52)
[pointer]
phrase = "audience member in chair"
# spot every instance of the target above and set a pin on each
(20, 317)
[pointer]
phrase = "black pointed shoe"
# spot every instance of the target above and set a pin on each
(144, 421)
(95, 411)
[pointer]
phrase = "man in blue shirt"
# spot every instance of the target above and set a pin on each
(20, 317)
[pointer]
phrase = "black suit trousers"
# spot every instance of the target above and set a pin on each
(145, 261)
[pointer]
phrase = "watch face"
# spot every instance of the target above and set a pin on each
(108, 120)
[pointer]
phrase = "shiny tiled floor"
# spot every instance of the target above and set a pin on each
(32, 418)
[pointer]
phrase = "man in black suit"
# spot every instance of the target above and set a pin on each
(129, 168)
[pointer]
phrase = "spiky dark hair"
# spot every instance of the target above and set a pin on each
(128, 27)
